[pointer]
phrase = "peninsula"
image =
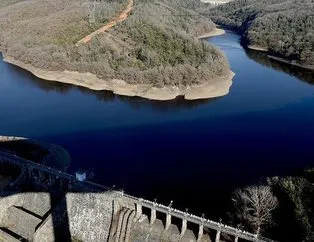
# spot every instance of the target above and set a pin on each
(133, 48)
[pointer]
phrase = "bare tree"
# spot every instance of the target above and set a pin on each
(254, 205)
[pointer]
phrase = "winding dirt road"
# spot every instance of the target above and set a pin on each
(121, 17)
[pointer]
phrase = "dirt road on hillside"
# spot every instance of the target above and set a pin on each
(121, 17)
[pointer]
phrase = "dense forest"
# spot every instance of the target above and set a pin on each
(157, 43)
(283, 27)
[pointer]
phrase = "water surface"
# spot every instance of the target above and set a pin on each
(195, 152)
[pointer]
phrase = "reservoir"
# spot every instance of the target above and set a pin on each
(192, 152)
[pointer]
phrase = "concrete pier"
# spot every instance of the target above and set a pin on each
(168, 220)
(184, 226)
(139, 210)
(217, 239)
(152, 215)
(200, 232)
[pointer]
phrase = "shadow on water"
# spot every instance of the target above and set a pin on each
(108, 96)
(305, 75)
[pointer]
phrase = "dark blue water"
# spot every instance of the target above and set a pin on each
(194, 153)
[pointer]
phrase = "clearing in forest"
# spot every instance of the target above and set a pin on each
(121, 17)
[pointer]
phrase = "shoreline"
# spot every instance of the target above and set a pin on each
(217, 87)
(261, 49)
(279, 59)
(257, 48)
(215, 32)
(213, 88)
(282, 60)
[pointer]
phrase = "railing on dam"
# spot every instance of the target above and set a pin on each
(30, 166)
(200, 221)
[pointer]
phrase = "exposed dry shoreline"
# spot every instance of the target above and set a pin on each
(257, 48)
(282, 60)
(213, 33)
(213, 88)
(290, 63)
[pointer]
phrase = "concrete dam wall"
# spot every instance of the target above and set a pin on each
(44, 204)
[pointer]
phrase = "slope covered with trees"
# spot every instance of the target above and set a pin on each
(283, 27)
(156, 44)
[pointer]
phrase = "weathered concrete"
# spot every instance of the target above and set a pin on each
(217, 239)
(168, 221)
(188, 236)
(89, 215)
(38, 203)
(144, 231)
(5, 237)
(20, 222)
(200, 232)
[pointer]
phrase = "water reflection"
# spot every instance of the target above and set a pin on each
(300, 73)
(108, 96)
(32, 80)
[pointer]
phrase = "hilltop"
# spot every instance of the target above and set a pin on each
(153, 53)
(282, 28)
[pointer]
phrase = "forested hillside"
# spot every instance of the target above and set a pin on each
(283, 27)
(157, 43)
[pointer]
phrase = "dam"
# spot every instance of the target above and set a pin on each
(45, 204)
